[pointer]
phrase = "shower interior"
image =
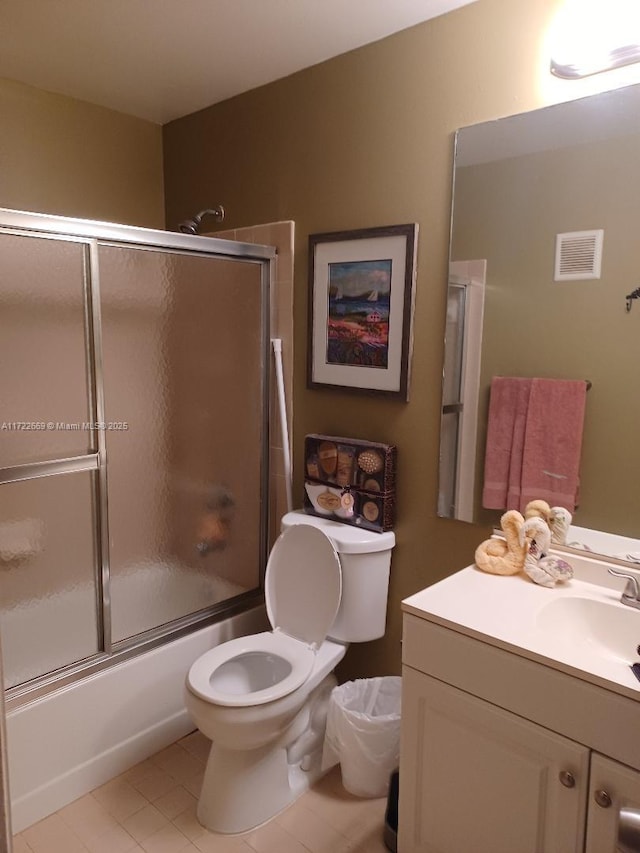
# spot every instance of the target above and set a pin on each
(134, 446)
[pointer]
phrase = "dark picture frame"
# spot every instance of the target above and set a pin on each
(361, 300)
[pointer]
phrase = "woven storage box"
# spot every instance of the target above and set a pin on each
(335, 466)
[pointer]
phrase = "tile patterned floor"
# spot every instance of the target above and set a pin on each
(152, 809)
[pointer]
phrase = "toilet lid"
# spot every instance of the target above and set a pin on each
(303, 584)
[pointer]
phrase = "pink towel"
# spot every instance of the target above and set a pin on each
(553, 442)
(508, 406)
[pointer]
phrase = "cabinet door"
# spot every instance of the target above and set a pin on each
(614, 807)
(474, 777)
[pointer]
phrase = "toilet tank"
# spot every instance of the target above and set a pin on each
(365, 559)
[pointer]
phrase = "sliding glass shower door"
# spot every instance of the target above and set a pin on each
(48, 538)
(133, 438)
(182, 390)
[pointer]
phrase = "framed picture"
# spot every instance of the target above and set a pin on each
(361, 309)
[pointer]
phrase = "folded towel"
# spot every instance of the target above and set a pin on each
(20, 539)
(553, 442)
(508, 405)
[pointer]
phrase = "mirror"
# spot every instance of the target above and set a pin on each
(518, 183)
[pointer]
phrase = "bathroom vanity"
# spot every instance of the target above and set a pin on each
(521, 716)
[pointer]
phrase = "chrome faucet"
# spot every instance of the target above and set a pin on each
(631, 593)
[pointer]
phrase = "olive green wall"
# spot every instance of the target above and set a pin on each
(63, 156)
(362, 140)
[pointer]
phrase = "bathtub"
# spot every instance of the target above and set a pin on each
(74, 739)
(146, 596)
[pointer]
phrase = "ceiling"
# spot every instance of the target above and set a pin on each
(162, 59)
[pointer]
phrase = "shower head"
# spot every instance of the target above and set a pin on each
(191, 226)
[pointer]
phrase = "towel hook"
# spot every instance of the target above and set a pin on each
(635, 294)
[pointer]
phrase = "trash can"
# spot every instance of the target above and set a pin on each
(363, 733)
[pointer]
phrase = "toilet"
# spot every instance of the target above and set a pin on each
(262, 700)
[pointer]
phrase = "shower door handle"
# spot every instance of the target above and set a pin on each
(629, 831)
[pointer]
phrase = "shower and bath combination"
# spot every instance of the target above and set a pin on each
(126, 360)
(120, 457)
(192, 226)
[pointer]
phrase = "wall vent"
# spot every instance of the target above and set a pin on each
(578, 255)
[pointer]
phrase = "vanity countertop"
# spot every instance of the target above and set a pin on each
(579, 627)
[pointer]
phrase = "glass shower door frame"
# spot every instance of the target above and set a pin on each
(92, 234)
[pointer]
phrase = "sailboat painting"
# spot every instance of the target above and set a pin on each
(362, 287)
(358, 313)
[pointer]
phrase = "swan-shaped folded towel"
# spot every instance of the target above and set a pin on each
(542, 569)
(504, 556)
(559, 523)
(557, 517)
(537, 509)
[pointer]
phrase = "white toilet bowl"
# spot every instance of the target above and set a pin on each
(263, 699)
(241, 723)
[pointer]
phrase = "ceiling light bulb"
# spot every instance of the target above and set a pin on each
(592, 36)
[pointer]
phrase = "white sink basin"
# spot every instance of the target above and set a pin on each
(580, 624)
(598, 627)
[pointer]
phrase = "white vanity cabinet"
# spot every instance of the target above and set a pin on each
(501, 753)
(476, 778)
(612, 789)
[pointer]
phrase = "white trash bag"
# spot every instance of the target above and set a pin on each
(363, 734)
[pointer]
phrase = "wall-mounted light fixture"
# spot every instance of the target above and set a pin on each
(591, 36)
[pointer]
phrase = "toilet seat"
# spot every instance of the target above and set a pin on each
(303, 586)
(273, 646)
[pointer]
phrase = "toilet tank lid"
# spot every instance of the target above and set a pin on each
(346, 538)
